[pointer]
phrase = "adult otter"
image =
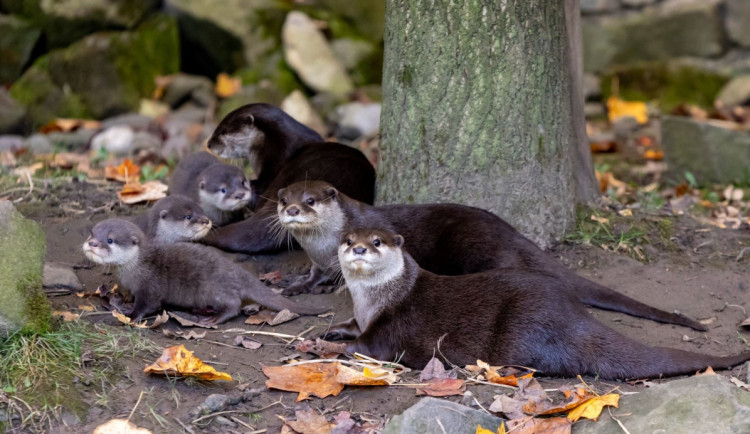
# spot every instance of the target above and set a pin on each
(222, 190)
(183, 275)
(173, 219)
(447, 239)
(284, 152)
(517, 317)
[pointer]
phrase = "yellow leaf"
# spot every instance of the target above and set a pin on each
(617, 108)
(592, 408)
(601, 220)
(626, 212)
(227, 86)
(120, 426)
(66, 316)
(177, 360)
(126, 320)
(352, 377)
(481, 430)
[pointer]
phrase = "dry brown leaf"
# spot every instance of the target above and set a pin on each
(227, 86)
(66, 316)
(552, 425)
(87, 307)
(434, 370)
(603, 147)
(7, 159)
(592, 408)
(120, 426)
(178, 361)
(446, 387)
(352, 377)
(27, 171)
(264, 316)
(126, 172)
(708, 371)
(739, 383)
(181, 335)
(318, 379)
(160, 319)
(126, 320)
(69, 124)
(617, 108)
(601, 220)
(135, 192)
(653, 155)
(188, 323)
(273, 277)
(282, 317)
(310, 422)
(745, 323)
(246, 342)
(512, 407)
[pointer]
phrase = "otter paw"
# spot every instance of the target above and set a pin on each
(295, 290)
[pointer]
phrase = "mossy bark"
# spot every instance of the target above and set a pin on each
(476, 110)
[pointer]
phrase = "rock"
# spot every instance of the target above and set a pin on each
(297, 106)
(101, 75)
(710, 150)
(11, 143)
(39, 144)
(17, 39)
(625, 128)
(11, 113)
(423, 417)
(22, 301)
(707, 403)
(215, 402)
(118, 139)
(661, 32)
(60, 276)
(66, 21)
(592, 86)
(593, 110)
(307, 52)
(637, 3)
(598, 6)
(737, 19)
(736, 91)
(223, 421)
(186, 87)
(362, 117)
(76, 140)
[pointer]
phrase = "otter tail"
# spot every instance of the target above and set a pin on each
(255, 290)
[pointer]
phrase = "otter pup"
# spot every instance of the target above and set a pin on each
(284, 152)
(447, 239)
(222, 190)
(173, 219)
(517, 318)
(183, 275)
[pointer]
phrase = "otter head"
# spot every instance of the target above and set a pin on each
(224, 187)
(114, 242)
(309, 206)
(237, 135)
(180, 219)
(371, 256)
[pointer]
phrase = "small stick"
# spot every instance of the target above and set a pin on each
(185, 427)
(241, 423)
(136, 406)
(216, 414)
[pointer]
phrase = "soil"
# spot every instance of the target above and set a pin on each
(699, 276)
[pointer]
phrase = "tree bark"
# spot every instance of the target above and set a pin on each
(477, 110)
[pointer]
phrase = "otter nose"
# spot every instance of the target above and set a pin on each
(239, 195)
(93, 243)
(359, 250)
(292, 211)
(203, 220)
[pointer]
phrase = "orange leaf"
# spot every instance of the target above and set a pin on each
(264, 316)
(125, 172)
(592, 408)
(178, 361)
(352, 377)
(308, 421)
(444, 387)
(67, 124)
(135, 192)
(573, 400)
(227, 86)
(617, 108)
(654, 155)
(317, 379)
(552, 425)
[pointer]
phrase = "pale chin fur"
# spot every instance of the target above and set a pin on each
(170, 233)
(116, 255)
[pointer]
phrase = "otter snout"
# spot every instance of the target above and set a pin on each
(359, 250)
(93, 242)
(203, 221)
(292, 211)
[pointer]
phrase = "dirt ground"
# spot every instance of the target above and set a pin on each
(700, 277)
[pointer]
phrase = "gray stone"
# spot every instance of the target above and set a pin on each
(297, 106)
(60, 276)
(12, 114)
(117, 139)
(592, 86)
(738, 21)
(423, 417)
(711, 150)
(736, 91)
(75, 140)
(363, 117)
(185, 87)
(22, 301)
(637, 3)
(593, 109)
(307, 52)
(661, 32)
(39, 144)
(598, 6)
(11, 142)
(223, 421)
(708, 403)
(17, 39)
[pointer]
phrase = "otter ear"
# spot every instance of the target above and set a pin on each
(251, 119)
(163, 213)
(398, 240)
(135, 240)
(281, 193)
(202, 184)
(331, 192)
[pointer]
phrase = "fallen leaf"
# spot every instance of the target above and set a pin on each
(66, 316)
(283, 316)
(273, 277)
(27, 171)
(549, 425)
(7, 159)
(573, 399)
(500, 430)
(707, 321)
(251, 309)
(708, 371)
(318, 379)
(69, 124)
(126, 320)
(603, 147)
(188, 323)
(512, 407)
(352, 377)
(745, 323)
(264, 316)
(310, 422)
(181, 335)
(653, 155)
(245, 342)
(739, 383)
(626, 212)
(120, 426)
(87, 308)
(227, 86)
(126, 172)
(136, 192)
(601, 220)
(617, 108)
(592, 408)
(177, 360)
(160, 319)
(344, 423)
(492, 375)
(434, 370)
(446, 387)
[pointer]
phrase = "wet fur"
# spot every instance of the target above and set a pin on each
(508, 317)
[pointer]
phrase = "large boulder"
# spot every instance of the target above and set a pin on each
(432, 415)
(708, 403)
(22, 300)
(661, 32)
(102, 75)
(66, 21)
(738, 17)
(17, 39)
(11, 113)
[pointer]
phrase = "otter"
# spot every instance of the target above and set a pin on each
(284, 152)
(173, 219)
(222, 190)
(182, 275)
(517, 317)
(446, 239)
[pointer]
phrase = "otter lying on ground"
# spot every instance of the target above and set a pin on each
(447, 239)
(173, 219)
(505, 317)
(182, 275)
(222, 190)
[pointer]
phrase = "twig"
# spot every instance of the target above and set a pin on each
(269, 406)
(742, 254)
(441, 425)
(474, 380)
(300, 335)
(185, 427)
(216, 414)
(259, 332)
(625, 430)
(223, 344)
(136, 406)
(242, 423)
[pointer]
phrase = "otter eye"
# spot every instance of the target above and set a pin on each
(348, 241)
(283, 201)
(223, 190)
(188, 217)
(376, 242)
(310, 201)
(110, 241)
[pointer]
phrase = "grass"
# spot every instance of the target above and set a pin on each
(43, 373)
(615, 233)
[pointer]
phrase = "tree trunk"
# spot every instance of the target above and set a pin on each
(477, 110)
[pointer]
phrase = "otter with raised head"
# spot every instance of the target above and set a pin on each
(173, 219)
(285, 152)
(517, 317)
(222, 190)
(447, 239)
(183, 275)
